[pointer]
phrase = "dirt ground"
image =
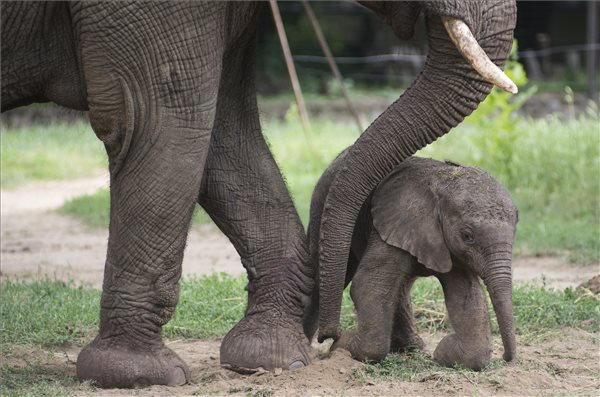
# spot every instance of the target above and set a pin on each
(565, 364)
(37, 242)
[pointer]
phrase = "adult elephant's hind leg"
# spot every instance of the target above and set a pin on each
(243, 191)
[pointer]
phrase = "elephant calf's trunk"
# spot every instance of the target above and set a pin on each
(499, 285)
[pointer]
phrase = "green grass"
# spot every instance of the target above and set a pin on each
(51, 313)
(91, 209)
(208, 307)
(49, 152)
(46, 313)
(35, 379)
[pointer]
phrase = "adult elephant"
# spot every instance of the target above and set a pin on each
(170, 91)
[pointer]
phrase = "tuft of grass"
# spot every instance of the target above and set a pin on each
(47, 313)
(49, 152)
(208, 307)
(419, 367)
(538, 308)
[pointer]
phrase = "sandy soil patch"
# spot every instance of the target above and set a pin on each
(37, 242)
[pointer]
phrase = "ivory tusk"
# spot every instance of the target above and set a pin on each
(467, 45)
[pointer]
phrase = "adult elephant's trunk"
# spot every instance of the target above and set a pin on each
(446, 91)
(498, 280)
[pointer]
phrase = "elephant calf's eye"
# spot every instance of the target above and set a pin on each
(467, 236)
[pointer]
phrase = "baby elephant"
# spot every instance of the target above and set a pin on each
(428, 218)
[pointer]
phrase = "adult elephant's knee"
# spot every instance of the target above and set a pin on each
(113, 118)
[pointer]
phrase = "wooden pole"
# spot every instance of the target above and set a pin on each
(287, 54)
(336, 72)
(591, 55)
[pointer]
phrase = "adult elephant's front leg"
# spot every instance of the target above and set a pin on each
(243, 191)
(152, 200)
(151, 97)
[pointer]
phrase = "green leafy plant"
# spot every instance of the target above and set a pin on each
(498, 116)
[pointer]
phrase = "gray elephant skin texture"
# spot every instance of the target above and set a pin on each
(427, 218)
(170, 90)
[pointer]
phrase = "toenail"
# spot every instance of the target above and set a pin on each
(177, 377)
(296, 365)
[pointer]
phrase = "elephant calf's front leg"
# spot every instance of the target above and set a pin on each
(471, 343)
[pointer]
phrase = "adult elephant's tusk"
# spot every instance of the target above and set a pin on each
(467, 45)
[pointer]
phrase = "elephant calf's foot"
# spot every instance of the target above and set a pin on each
(362, 350)
(346, 341)
(450, 352)
(409, 344)
(116, 365)
(258, 342)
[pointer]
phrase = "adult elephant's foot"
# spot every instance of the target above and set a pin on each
(258, 341)
(112, 364)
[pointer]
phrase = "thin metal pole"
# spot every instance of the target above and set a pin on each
(592, 56)
(336, 72)
(287, 54)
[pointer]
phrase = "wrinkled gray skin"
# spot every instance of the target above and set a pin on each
(428, 218)
(170, 91)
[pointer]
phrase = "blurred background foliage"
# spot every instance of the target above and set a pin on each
(551, 34)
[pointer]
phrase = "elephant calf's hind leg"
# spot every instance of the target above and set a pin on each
(404, 333)
(374, 292)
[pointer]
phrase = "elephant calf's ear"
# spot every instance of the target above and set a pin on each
(404, 214)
